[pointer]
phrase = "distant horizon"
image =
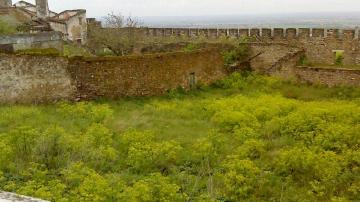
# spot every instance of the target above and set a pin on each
(296, 19)
(242, 14)
(145, 8)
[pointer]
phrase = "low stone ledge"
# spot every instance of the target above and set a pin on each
(328, 76)
(11, 197)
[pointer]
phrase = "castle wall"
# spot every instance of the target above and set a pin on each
(318, 43)
(32, 79)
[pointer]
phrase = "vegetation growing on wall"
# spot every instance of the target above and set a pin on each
(39, 51)
(120, 35)
(247, 139)
(71, 50)
(237, 55)
(339, 57)
(5, 28)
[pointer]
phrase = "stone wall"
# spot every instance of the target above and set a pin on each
(15, 42)
(5, 3)
(328, 76)
(144, 75)
(34, 79)
(319, 44)
(12, 197)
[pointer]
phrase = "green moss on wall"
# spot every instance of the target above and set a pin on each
(39, 51)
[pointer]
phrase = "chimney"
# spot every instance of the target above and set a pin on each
(5, 3)
(42, 9)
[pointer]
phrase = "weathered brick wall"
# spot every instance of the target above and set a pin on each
(26, 79)
(34, 79)
(144, 75)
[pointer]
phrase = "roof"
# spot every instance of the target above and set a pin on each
(32, 5)
(78, 12)
(74, 10)
(27, 3)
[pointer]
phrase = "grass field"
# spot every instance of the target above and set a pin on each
(246, 138)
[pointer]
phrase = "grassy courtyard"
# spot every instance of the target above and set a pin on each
(246, 138)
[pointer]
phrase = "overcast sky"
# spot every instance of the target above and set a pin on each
(98, 8)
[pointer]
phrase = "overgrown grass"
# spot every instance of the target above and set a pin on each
(71, 50)
(246, 138)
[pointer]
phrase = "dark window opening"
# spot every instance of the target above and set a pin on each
(192, 80)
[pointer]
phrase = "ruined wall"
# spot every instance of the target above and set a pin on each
(42, 8)
(319, 44)
(77, 27)
(29, 79)
(34, 79)
(11, 43)
(268, 55)
(144, 75)
(327, 76)
(5, 3)
(14, 16)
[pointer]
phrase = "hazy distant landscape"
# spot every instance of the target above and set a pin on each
(340, 20)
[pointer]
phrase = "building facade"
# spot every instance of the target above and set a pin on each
(39, 18)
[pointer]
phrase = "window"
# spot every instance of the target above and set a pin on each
(80, 20)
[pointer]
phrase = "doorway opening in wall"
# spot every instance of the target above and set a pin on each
(338, 57)
(192, 80)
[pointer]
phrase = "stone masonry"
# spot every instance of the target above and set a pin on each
(36, 79)
(11, 197)
(319, 44)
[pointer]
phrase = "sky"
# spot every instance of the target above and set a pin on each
(97, 8)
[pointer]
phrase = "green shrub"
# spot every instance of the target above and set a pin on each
(304, 61)
(239, 54)
(73, 51)
(339, 57)
(191, 47)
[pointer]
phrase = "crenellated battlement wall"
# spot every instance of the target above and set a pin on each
(320, 45)
(265, 33)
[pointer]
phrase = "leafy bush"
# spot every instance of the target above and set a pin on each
(191, 47)
(239, 54)
(339, 57)
(73, 51)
